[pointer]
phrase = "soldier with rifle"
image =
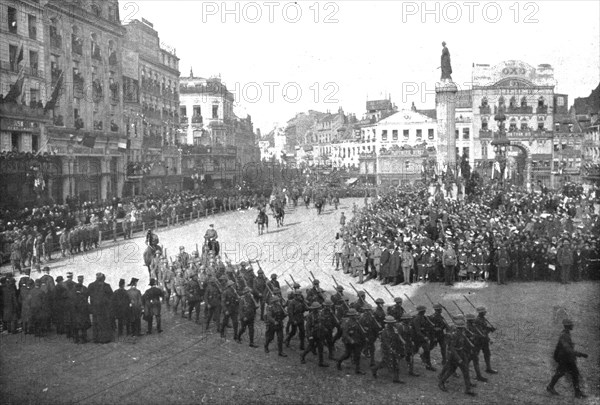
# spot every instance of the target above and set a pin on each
(392, 350)
(406, 332)
(248, 309)
(484, 326)
(274, 316)
(260, 291)
(353, 337)
(315, 294)
(316, 334)
(212, 297)
(440, 328)
(458, 357)
(421, 333)
(379, 312)
(330, 321)
(477, 338)
(230, 304)
(296, 308)
(372, 328)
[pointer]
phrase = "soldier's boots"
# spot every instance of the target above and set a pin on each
(470, 392)
(442, 386)
(579, 394)
(339, 365)
(322, 364)
(488, 366)
(266, 348)
(302, 359)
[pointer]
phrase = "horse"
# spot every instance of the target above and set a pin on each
(279, 216)
(262, 220)
(149, 254)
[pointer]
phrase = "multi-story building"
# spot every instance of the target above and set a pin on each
(151, 99)
(23, 119)
(523, 97)
(220, 144)
(77, 46)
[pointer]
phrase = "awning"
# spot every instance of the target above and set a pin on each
(351, 181)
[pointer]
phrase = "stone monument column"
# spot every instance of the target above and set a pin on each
(445, 103)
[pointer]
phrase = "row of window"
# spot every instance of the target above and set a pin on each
(406, 134)
(197, 112)
(513, 102)
(13, 23)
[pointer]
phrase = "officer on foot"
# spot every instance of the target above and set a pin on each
(566, 357)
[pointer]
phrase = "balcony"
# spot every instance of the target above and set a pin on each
(542, 110)
(485, 110)
(197, 119)
(9, 66)
(112, 59)
(32, 32)
(183, 120)
(520, 110)
(98, 125)
(76, 45)
(485, 134)
(56, 41)
(33, 71)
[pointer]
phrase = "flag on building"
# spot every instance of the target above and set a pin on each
(88, 141)
(15, 89)
(20, 56)
(55, 94)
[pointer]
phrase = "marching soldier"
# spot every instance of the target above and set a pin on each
(274, 317)
(421, 336)
(371, 328)
(484, 326)
(392, 349)
(477, 339)
(396, 310)
(179, 286)
(353, 339)
(193, 294)
(360, 303)
(296, 309)
(440, 329)
(406, 332)
(316, 334)
(379, 312)
(260, 291)
(212, 297)
(458, 357)
(330, 321)
(566, 357)
(315, 294)
(338, 301)
(231, 301)
(248, 314)
(151, 302)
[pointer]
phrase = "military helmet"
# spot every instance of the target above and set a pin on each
(315, 305)
(339, 288)
(379, 301)
(481, 310)
(437, 306)
(567, 322)
(405, 317)
(389, 319)
(470, 317)
(459, 323)
(398, 300)
(328, 303)
(421, 308)
(352, 312)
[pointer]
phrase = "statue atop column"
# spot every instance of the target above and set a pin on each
(445, 64)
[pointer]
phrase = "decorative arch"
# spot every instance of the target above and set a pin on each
(527, 150)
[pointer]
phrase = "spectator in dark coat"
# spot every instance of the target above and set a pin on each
(100, 307)
(120, 308)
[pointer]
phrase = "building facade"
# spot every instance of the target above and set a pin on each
(151, 100)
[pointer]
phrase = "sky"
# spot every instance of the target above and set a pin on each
(280, 58)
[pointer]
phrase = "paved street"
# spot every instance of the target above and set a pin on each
(189, 364)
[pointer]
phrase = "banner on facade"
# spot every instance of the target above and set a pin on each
(130, 64)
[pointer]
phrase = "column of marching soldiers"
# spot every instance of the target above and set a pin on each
(234, 295)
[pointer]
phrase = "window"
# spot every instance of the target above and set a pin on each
(513, 126)
(419, 134)
(405, 134)
(384, 135)
(35, 143)
(33, 62)
(32, 25)
(96, 10)
(407, 165)
(12, 20)
(215, 111)
(12, 57)
(466, 152)
(76, 42)
(560, 101)
(484, 125)
(513, 102)
(182, 111)
(524, 126)
(557, 127)
(484, 102)
(570, 127)
(34, 96)
(541, 102)
(540, 126)
(524, 102)
(466, 133)
(395, 135)
(430, 134)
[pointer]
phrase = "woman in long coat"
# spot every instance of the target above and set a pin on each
(101, 309)
(25, 301)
